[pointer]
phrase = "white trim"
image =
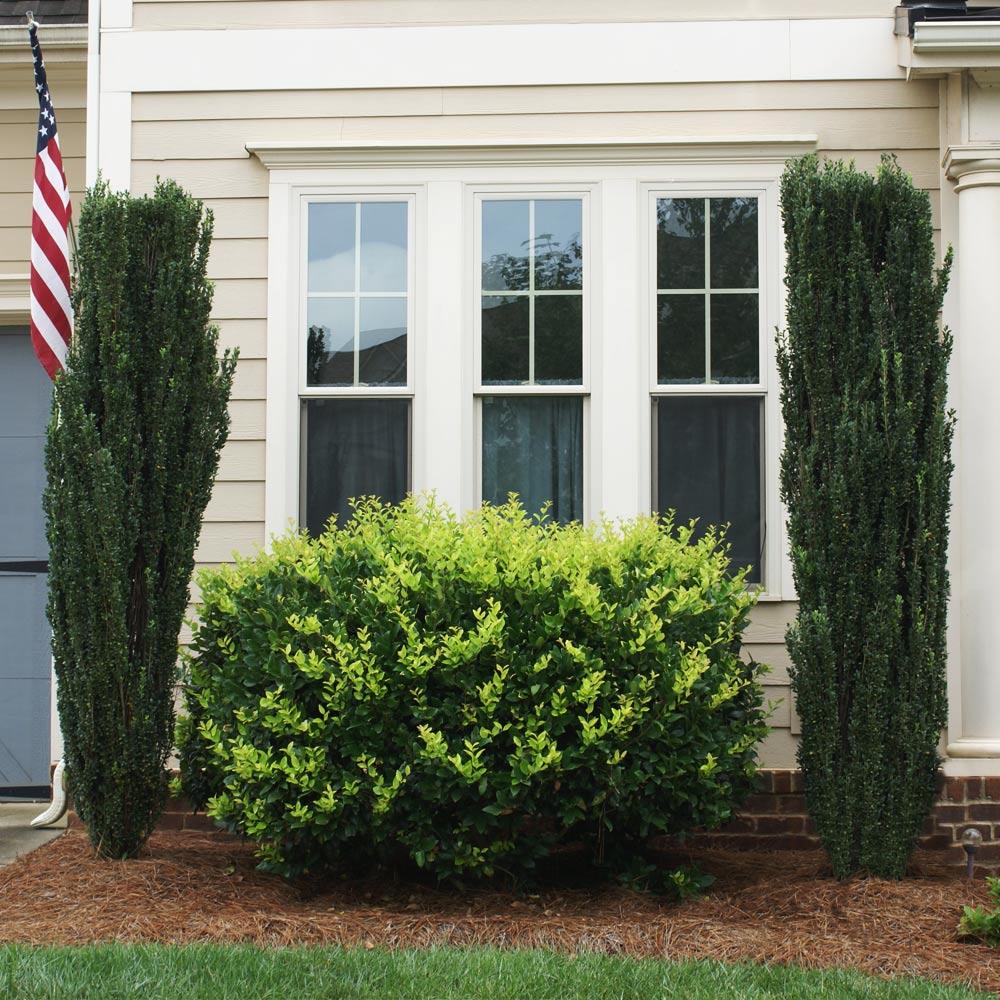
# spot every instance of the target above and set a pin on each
(117, 14)
(617, 408)
(281, 461)
(114, 139)
(61, 43)
(599, 151)
(938, 48)
(322, 58)
(476, 195)
(776, 577)
(954, 37)
(969, 746)
(407, 196)
(15, 304)
(93, 91)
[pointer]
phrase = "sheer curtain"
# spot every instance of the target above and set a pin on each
(533, 446)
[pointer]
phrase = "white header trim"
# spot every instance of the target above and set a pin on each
(280, 58)
(601, 151)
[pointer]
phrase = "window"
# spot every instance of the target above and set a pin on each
(355, 384)
(531, 352)
(708, 393)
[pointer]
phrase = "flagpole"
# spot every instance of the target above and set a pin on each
(57, 808)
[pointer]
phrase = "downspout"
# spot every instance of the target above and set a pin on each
(57, 808)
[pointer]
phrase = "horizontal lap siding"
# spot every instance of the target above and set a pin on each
(18, 134)
(199, 139)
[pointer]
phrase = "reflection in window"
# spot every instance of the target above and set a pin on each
(708, 323)
(532, 292)
(356, 324)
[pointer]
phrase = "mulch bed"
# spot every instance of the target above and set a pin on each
(777, 908)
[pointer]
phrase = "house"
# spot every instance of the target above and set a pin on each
(475, 248)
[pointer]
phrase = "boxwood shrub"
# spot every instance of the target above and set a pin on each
(469, 694)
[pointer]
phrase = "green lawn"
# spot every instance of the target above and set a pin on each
(157, 972)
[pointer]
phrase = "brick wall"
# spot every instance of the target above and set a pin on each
(774, 818)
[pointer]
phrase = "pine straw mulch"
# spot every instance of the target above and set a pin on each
(776, 908)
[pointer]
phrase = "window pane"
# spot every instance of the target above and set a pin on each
(559, 244)
(330, 342)
(680, 339)
(506, 238)
(680, 243)
(382, 351)
(708, 456)
(354, 448)
(331, 246)
(735, 339)
(559, 339)
(533, 446)
(383, 246)
(734, 243)
(505, 339)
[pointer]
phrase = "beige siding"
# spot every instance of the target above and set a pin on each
(200, 139)
(18, 125)
(328, 13)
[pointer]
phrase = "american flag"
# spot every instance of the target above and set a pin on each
(51, 312)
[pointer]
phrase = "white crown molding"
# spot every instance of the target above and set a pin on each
(14, 302)
(941, 47)
(605, 150)
(61, 43)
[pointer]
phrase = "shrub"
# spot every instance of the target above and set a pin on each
(139, 417)
(468, 694)
(865, 476)
(980, 924)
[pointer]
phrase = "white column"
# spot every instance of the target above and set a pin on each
(976, 168)
(619, 402)
(442, 405)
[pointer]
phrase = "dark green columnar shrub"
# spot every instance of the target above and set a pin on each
(865, 475)
(468, 694)
(139, 418)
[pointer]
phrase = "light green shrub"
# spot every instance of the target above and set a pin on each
(469, 694)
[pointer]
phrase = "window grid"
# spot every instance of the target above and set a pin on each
(532, 294)
(708, 291)
(356, 294)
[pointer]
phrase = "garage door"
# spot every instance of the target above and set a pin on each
(25, 658)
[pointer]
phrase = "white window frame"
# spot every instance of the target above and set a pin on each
(444, 177)
(475, 196)
(775, 572)
(367, 391)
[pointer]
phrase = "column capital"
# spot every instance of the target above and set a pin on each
(973, 165)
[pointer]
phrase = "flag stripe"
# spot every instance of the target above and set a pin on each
(51, 307)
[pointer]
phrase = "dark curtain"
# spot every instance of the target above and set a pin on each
(708, 452)
(354, 447)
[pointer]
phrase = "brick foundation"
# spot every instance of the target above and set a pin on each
(775, 818)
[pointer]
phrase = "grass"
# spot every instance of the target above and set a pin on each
(213, 972)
